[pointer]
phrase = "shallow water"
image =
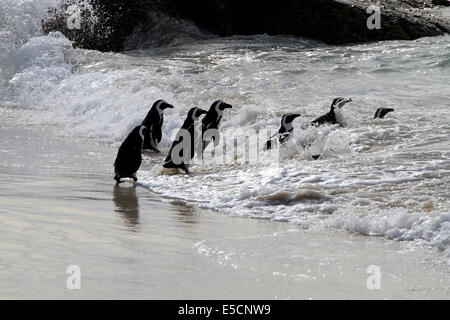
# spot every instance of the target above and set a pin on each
(57, 212)
(387, 178)
(377, 177)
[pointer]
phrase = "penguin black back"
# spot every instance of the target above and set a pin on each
(129, 156)
(177, 158)
(154, 122)
(330, 117)
(381, 112)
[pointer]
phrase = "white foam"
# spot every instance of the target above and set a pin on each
(377, 177)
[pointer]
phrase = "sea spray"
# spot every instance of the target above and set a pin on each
(386, 178)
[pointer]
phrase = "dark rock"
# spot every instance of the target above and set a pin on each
(105, 25)
(332, 21)
(441, 2)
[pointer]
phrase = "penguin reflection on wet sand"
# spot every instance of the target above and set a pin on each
(129, 156)
(285, 131)
(154, 122)
(127, 204)
(176, 157)
(212, 120)
(334, 116)
(381, 112)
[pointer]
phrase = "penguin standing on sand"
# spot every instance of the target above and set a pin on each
(185, 140)
(154, 122)
(335, 114)
(129, 156)
(381, 112)
(212, 119)
(286, 129)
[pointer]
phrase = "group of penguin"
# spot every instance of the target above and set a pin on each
(149, 134)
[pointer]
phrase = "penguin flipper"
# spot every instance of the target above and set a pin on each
(155, 138)
(158, 134)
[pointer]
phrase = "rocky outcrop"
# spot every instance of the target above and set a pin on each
(442, 2)
(108, 23)
(104, 24)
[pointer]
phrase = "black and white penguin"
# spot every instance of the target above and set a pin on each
(335, 115)
(381, 112)
(176, 157)
(286, 129)
(154, 122)
(129, 156)
(213, 118)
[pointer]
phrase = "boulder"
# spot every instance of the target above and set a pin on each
(108, 23)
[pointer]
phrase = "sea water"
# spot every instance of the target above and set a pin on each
(376, 177)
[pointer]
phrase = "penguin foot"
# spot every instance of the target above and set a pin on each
(316, 156)
(185, 168)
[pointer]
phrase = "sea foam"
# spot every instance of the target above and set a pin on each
(386, 178)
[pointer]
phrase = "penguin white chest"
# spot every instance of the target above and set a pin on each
(340, 117)
(219, 116)
(288, 127)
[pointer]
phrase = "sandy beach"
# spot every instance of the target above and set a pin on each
(59, 207)
(356, 207)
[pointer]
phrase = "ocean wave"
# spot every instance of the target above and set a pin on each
(383, 177)
(445, 62)
(401, 225)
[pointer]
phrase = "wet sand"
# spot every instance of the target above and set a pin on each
(59, 207)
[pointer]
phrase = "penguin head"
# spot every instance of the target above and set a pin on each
(195, 114)
(288, 118)
(216, 111)
(286, 121)
(161, 105)
(219, 106)
(339, 102)
(381, 112)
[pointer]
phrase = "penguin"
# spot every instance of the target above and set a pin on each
(334, 116)
(212, 119)
(286, 129)
(154, 122)
(176, 151)
(381, 112)
(129, 156)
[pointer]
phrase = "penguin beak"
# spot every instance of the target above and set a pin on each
(201, 112)
(296, 115)
(168, 106)
(227, 106)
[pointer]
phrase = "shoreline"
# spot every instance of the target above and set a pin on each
(59, 207)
